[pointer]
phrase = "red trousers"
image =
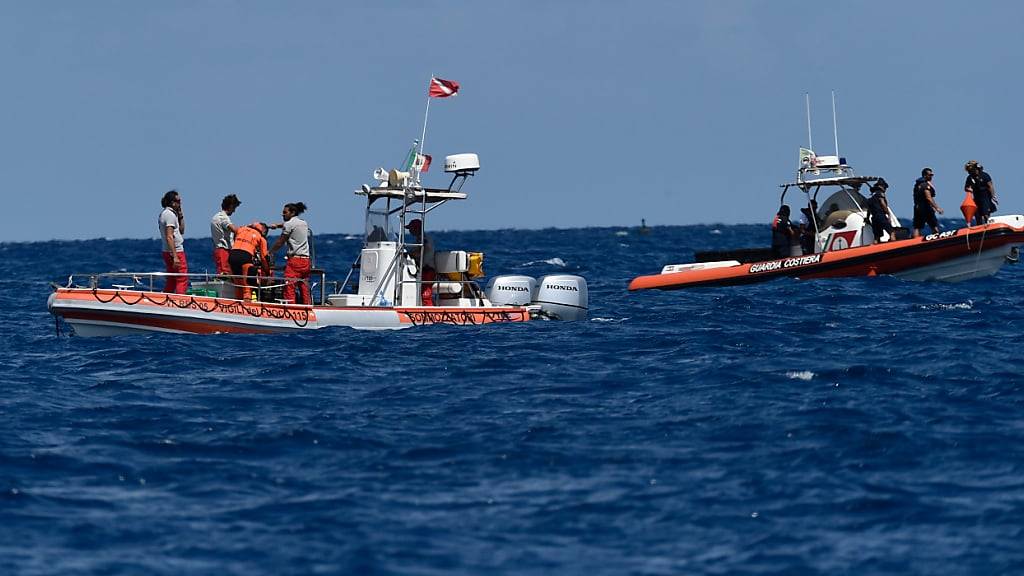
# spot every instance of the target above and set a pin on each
(220, 260)
(297, 270)
(176, 284)
(427, 288)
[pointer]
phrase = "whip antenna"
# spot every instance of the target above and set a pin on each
(835, 126)
(810, 144)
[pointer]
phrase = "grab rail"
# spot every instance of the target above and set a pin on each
(147, 280)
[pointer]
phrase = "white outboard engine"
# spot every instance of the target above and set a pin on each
(562, 296)
(511, 290)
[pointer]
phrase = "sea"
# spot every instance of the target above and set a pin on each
(847, 426)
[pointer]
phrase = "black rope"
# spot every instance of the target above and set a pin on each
(298, 317)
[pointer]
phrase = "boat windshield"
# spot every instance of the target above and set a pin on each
(848, 199)
(379, 227)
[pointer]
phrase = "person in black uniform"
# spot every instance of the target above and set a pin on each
(980, 185)
(878, 211)
(809, 227)
(782, 233)
(924, 203)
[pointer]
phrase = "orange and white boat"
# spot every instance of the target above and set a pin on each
(388, 295)
(843, 243)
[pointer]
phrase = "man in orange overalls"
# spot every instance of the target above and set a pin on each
(248, 254)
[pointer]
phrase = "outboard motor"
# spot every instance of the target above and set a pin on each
(563, 296)
(511, 290)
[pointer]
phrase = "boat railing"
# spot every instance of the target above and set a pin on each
(149, 281)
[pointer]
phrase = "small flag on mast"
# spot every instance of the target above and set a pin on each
(423, 162)
(443, 88)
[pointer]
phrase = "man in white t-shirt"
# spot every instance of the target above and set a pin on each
(295, 232)
(223, 233)
(171, 224)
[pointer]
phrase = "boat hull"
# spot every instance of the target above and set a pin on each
(112, 312)
(952, 256)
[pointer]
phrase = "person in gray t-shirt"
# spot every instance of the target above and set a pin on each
(223, 233)
(296, 233)
(171, 224)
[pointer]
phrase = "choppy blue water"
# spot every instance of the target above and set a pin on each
(858, 426)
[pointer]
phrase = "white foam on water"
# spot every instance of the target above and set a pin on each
(611, 320)
(716, 231)
(969, 305)
(622, 233)
(801, 375)
(553, 261)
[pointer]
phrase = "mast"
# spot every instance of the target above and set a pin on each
(423, 136)
(810, 144)
(835, 125)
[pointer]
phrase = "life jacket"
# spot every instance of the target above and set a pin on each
(249, 239)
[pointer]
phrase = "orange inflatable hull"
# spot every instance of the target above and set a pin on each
(886, 258)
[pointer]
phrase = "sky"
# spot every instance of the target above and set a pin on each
(583, 113)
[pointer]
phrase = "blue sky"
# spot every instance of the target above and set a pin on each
(583, 113)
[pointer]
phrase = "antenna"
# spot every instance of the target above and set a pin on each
(835, 128)
(807, 97)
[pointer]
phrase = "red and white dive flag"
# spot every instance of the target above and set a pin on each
(443, 88)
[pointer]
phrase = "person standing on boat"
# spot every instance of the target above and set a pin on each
(809, 227)
(980, 185)
(878, 211)
(223, 233)
(415, 227)
(171, 224)
(782, 233)
(924, 203)
(248, 254)
(295, 232)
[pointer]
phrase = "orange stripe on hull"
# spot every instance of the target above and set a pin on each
(194, 326)
(460, 316)
(203, 304)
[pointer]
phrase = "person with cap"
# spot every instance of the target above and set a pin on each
(878, 211)
(223, 233)
(426, 249)
(171, 224)
(782, 232)
(979, 184)
(809, 227)
(925, 206)
(294, 231)
(249, 256)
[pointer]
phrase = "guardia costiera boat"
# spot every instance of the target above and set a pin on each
(841, 243)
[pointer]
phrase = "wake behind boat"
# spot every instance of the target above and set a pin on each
(842, 243)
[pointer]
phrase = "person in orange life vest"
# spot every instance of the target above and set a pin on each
(427, 266)
(223, 233)
(171, 224)
(248, 255)
(294, 231)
